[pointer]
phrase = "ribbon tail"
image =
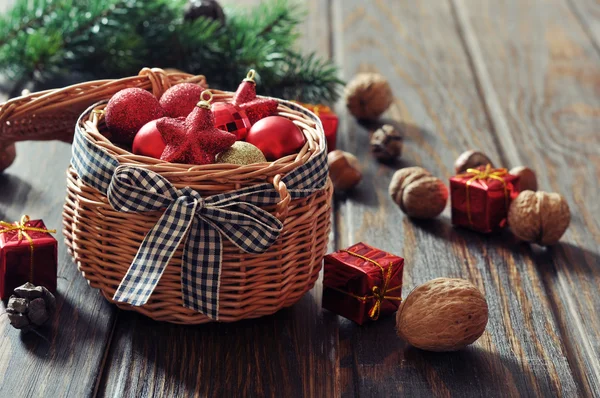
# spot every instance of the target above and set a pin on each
(201, 269)
(155, 253)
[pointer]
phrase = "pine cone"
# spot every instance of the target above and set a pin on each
(31, 306)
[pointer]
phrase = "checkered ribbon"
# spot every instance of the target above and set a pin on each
(188, 216)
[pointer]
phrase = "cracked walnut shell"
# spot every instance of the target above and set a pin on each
(418, 193)
(539, 217)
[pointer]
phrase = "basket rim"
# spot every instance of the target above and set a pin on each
(90, 122)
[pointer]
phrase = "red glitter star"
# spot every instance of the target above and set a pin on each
(246, 91)
(259, 108)
(195, 139)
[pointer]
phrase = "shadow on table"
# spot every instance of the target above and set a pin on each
(60, 337)
(12, 189)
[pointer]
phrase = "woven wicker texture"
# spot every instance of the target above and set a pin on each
(103, 241)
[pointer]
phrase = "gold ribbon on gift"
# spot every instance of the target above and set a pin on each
(23, 228)
(487, 173)
(379, 293)
(316, 109)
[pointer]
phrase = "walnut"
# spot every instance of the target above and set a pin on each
(527, 178)
(368, 95)
(444, 314)
(469, 160)
(386, 143)
(344, 170)
(539, 217)
(418, 193)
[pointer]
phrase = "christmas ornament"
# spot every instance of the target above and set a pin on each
(194, 140)
(368, 95)
(148, 141)
(480, 198)
(539, 217)
(209, 9)
(386, 143)
(180, 100)
(241, 153)
(128, 110)
(28, 253)
(231, 118)
(246, 91)
(259, 108)
(471, 159)
(362, 283)
(444, 314)
(527, 178)
(330, 123)
(344, 170)
(418, 193)
(276, 137)
(31, 306)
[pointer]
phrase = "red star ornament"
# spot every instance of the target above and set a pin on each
(246, 91)
(259, 108)
(194, 140)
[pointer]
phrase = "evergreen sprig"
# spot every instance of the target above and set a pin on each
(42, 39)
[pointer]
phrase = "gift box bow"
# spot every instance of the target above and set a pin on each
(200, 221)
(482, 176)
(379, 293)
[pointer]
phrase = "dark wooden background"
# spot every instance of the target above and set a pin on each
(518, 79)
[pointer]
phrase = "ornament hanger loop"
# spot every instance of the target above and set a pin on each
(250, 76)
(205, 102)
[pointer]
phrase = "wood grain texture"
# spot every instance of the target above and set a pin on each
(65, 360)
(419, 48)
(549, 105)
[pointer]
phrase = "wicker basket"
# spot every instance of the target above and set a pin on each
(104, 242)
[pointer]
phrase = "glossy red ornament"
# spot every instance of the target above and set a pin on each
(230, 118)
(259, 108)
(276, 137)
(330, 122)
(128, 110)
(180, 100)
(246, 91)
(148, 141)
(194, 140)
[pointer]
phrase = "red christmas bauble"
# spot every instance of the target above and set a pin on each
(148, 141)
(180, 100)
(276, 137)
(128, 110)
(230, 118)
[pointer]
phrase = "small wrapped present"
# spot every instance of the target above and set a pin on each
(330, 123)
(480, 198)
(362, 282)
(28, 253)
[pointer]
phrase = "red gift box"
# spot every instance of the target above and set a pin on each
(330, 123)
(480, 198)
(362, 282)
(28, 253)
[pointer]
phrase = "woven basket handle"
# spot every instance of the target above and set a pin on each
(282, 208)
(52, 114)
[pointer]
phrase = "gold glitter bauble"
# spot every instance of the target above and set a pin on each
(241, 153)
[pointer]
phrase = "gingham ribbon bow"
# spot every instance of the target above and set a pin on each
(188, 216)
(200, 221)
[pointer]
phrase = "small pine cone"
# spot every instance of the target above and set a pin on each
(368, 95)
(30, 307)
(386, 143)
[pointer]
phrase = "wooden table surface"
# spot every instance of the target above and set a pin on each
(518, 79)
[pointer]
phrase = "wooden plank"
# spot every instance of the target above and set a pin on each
(588, 14)
(66, 359)
(417, 46)
(546, 114)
